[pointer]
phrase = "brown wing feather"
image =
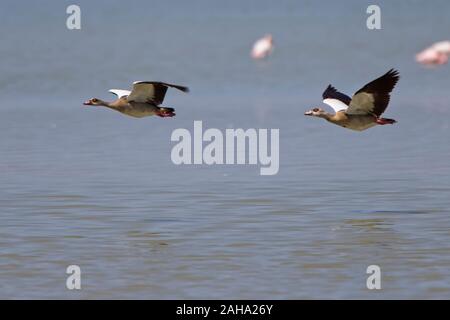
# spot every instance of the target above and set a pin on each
(161, 89)
(151, 92)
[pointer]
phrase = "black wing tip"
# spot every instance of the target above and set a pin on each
(394, 76)
(181, 88)
(393, 73)
(328, 90)
(184, 89)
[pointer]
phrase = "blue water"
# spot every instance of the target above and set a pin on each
(92, 187)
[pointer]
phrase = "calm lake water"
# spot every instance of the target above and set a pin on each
(94, 188)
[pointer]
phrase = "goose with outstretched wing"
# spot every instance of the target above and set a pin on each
(364, 109)
(142, 101)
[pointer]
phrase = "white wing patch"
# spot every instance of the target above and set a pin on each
(120, 93)
(336, 104)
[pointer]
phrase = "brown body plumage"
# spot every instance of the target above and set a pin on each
(354, 122)
(133, 109)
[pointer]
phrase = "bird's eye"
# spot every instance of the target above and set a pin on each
(316, 109)
(94, 100)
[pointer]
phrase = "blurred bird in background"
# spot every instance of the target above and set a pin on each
(262, 47)
(437, 54)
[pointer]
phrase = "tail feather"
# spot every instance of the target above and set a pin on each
(383, 121)
(165, 112)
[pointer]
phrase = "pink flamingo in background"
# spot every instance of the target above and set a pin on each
(437, 54)
(263, 47)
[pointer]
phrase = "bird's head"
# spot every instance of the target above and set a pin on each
(94, 102)
(316, 112)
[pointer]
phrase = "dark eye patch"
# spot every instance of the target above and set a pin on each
(316, 109)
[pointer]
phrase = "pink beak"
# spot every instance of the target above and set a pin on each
(88, 103)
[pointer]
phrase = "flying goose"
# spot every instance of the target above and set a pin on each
(142, 101)
(364, 109)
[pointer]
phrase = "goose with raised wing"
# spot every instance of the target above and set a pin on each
(142, 101)
(364, 109)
